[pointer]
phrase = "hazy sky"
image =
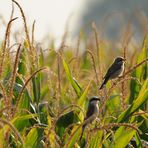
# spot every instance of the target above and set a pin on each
(50, 15)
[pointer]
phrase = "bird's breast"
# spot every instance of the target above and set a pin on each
(122, 70)
(118, 72)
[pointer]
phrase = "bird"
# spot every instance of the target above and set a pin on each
(92, 112)
(114, 71)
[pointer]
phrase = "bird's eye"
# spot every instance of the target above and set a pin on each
(120, 60)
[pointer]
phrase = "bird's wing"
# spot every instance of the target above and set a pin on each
(90, 111)
(113, 68)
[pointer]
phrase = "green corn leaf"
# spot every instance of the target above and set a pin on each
(96, 140)
(22, 121)
(32, 138)
(26, 98)
(22, 68)
(43, 114)
(23, 117)
(141, 99)
(134, 88)
(139, 73)
(44, 91)
(36, 81)
(138, 141)
(64, 121)
(123, 139)
(74, 138)
(113, 105)
(2, 137)
(81, 101)
(73, 82)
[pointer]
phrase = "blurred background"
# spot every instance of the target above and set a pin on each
(111, 17)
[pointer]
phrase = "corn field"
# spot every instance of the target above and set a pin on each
(44, 93)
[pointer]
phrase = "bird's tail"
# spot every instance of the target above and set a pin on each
(83, 128)
(104, 82)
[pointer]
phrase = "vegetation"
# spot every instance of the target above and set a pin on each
(44, 93)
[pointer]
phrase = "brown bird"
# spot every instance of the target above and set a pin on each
(92, 112)
(114, 71)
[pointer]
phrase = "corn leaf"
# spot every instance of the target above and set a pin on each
(139, 73)
(31, 139)
(123, 139)
(74, 138)
(95, 141)
(73, 82)
(64, 121)
(141, 99)
(138, 141)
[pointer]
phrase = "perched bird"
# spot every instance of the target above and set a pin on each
(114, 71)
(92, 112)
